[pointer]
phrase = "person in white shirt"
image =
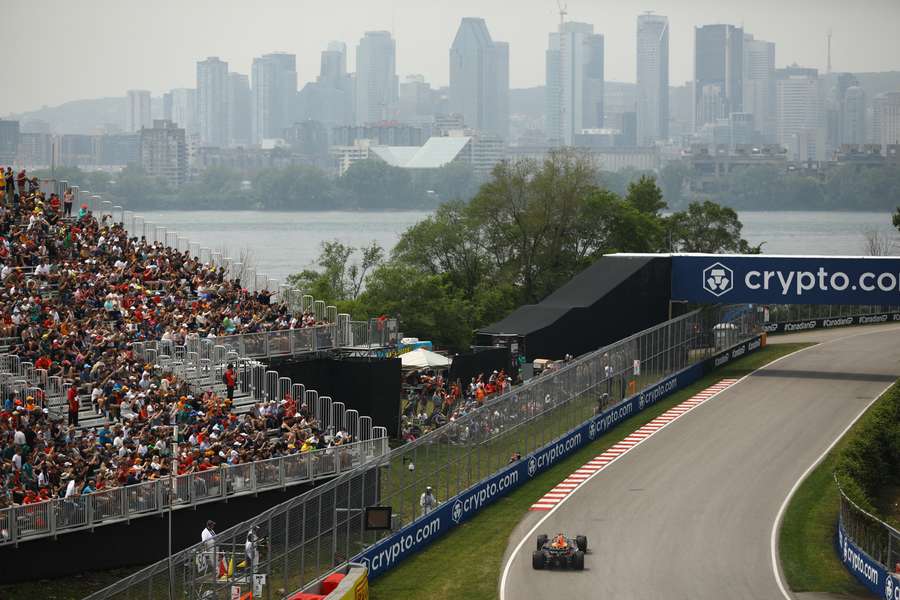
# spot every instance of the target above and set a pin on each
(427, 501)
(208, 538)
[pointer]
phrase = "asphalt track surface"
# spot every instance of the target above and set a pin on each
(689, 513)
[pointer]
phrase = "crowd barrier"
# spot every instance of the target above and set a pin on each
(467, 460)
(869, 548)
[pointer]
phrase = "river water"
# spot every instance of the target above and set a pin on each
(282, 243)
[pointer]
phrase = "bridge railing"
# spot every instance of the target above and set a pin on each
(312, 534)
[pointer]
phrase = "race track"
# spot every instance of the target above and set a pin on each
(689, 513)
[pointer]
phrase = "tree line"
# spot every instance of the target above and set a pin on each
(529, 229)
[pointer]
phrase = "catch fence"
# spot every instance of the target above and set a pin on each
(872, 535)
(309, 536)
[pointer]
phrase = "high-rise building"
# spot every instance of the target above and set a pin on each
(416, 99)
(180, 107)
(574, 82)
(886, 119)
(329, 99)
(333, 66)
(376, 77)
(164, 152)
(274, 94)
(212, 101)
(479, 78)
(652, 78)
(9, 141)
(853, 116)
(138, 107)
(718, 72)
(239, 107)
(799, 113)
(759, 85)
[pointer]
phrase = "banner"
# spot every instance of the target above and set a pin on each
(829, 322)
(410, 539)
(867, 571)
(761, 279)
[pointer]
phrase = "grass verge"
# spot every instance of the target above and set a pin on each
(448, 569)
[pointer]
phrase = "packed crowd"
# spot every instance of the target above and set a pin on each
(75, 293)
(434, 401)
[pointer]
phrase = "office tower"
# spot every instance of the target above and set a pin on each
(376, 77)
(9, 141)
(274, 94)
(164, 152)
(328, 99)
(718, 72)
(799, 113)
(212, 101)
(479, 78)
(652, 78)
(239, 110)
(333, 68)
(759, 84)
(886, 118)
(138, 107)
(574, 82)
(416, 99)
(853, 116)
(180, 107)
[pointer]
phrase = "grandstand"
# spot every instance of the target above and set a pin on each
(126, 330)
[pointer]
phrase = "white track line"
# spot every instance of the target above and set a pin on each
(530, 533)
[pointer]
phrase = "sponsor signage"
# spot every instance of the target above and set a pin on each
(762, 279)
(867, 571)
(829, 322)
(388, 552)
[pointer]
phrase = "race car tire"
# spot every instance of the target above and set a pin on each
(541, 540)
(537, 560)
(578, 561)
(581, 542)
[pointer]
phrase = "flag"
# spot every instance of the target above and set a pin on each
(230, 567)
(222, 569)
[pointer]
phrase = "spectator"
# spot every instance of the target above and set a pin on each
(68, 198)
(72, 398)
(229, 379)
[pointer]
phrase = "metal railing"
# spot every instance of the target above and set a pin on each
(786, 313)
(875, 537)
(105, 507)
(312, 534)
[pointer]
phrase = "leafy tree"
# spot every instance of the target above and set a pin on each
(896, 219)
(672, 178)
(340, 278)
(645, 196)
(708, 227)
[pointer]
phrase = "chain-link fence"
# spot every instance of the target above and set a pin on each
(296, 543)
(875, 537)
(785, 313)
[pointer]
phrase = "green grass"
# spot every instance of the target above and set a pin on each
(446, 568)
(806, 541)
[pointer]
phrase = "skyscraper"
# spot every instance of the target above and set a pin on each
(718, 72)
(652, 78)
(574, 82)
(886, 118)
(329, 99)
(853, 117)
(274, 94)
(799, 113)
(333, 68)
(759, 84)
(138, 115)
(376, 77)
(239, 110)
(479, 78)
(212, 101)
(180, 107)
(164, 152)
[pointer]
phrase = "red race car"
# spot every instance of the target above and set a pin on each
(559, 551)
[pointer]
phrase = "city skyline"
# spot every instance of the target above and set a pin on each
(163, 56)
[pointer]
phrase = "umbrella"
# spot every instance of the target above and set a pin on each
(422, 358)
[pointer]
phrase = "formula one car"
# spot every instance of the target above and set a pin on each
(559, 551)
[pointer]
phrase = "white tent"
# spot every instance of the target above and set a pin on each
(423, 359)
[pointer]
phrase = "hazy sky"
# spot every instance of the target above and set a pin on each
(104, 47)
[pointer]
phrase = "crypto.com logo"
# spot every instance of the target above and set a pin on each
(718, 279)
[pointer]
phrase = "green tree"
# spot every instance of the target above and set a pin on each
(375, 185)
(645, 196)
(340, 277)
(896, 219)
(708, 227)
(672, 179)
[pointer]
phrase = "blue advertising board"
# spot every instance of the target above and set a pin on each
(412, 538)
(867, 571)
(761, 279)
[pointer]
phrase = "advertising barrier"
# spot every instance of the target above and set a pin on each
(762, 279)
(866, 570)
(828, 323)
(417, 535)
